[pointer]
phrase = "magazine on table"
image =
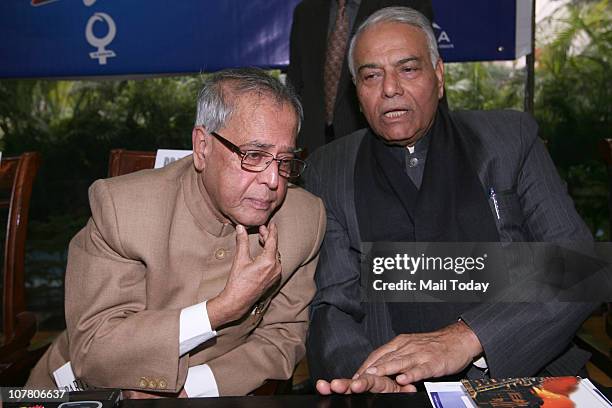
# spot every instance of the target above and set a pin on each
(530, 392)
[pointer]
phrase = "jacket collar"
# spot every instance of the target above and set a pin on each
(195, 196)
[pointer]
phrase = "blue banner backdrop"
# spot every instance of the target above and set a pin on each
(73, 38)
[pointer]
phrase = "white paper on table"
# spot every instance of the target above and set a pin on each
(448, 395)
(167, 156)
(588, 396)
(454, 395)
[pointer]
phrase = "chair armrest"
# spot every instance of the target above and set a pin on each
(24, 332)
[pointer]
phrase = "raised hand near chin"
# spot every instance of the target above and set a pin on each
(249, 278)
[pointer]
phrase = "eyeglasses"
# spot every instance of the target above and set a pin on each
(259, 160)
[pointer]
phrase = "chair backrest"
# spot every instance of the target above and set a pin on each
(123, 161)
(16, 179)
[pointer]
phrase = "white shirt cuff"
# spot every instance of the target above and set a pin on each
(201, 382)
(194, 327)
(481, 363)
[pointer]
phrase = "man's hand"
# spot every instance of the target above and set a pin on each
(248, 279)
(365, 383)
(420, 356)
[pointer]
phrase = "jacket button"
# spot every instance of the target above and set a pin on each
(152, 384)
(143, 382)
(163, 384)
(220, 253)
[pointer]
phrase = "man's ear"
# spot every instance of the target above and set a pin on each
(200, 147)
(440, 75)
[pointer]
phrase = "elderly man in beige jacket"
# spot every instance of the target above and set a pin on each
(195, 279)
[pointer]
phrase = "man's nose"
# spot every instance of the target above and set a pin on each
(391, 85)
(270, 175)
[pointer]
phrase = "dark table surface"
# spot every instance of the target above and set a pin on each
(416, 400)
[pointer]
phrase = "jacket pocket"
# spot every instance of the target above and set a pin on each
(509, 216)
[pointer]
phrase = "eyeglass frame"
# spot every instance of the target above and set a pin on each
(236, 149)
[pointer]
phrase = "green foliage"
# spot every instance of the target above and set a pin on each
(573, 96)
(75, 125)
(573, 99)
(479, 85)
(588, 186)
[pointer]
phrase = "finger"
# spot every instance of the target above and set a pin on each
(391, 366)
(341, 386)
(384, 385)
(395, 351)
(374, 384)
(243, 253)
(271, 245)
(323, 387)
(407, 388)
(362, 384)
(374, 357)
(263, 234)
(414, 374)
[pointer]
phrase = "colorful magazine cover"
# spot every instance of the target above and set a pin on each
(535, 392)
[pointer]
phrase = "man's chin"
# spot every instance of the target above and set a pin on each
(252, 218)
(403, 138)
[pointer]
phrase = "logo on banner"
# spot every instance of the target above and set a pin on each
(443, 38)
(41, 2)
(101, 42)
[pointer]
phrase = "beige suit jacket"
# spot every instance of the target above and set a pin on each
(152, 248)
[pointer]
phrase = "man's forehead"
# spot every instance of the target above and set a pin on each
(391, 35)
(253, 105)
(266, 145)
(264, 123)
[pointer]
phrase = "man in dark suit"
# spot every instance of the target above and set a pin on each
(420, 172)
(313, 25)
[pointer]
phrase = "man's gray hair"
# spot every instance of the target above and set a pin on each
(218, 97)
(403, 15)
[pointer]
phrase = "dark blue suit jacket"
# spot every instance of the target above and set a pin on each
(519, 339)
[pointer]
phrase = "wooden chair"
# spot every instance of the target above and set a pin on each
(19, 326)
(123, 161)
